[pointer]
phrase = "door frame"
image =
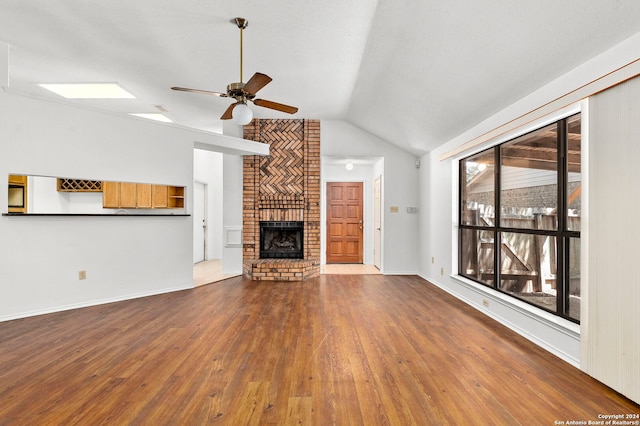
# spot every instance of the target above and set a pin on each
(377, 227)
(325, 206)
(205, 217)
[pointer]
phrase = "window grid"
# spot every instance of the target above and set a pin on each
(553, 284)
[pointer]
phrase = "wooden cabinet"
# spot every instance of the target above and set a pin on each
(17, 180)
(176, 197)
(143, 196)
(128, 195)
(111, 195)
(17, 202)
(160, 196)
(124, 195)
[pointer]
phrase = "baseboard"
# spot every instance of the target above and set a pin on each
(95, 302)
(569, 332)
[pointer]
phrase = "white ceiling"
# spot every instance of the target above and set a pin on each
(415, 73)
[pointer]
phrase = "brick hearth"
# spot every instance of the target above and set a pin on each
(285, 186)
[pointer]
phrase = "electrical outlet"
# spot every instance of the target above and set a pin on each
(393, 209)
(433, 259)
(82, 275)
(485, 302)
(441, 271)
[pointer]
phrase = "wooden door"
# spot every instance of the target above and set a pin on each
(344, 222)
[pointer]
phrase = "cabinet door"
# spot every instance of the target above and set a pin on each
(111, 195)
(143, 196)
(128, 195)
(159, 197)
(18, 179)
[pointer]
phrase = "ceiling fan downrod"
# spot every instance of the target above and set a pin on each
(242, 24)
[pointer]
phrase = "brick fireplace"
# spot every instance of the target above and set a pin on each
(281, 202)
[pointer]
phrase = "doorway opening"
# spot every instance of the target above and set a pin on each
(363, 171)
(345, 222)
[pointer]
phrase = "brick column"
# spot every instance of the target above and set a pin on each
(283, 186)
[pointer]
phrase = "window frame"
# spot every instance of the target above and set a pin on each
(562, 235)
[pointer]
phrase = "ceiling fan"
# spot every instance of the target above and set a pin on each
(243, 92)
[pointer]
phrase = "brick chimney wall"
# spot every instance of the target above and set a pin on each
(285, 186)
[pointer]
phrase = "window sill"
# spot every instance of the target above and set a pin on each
(548, 319)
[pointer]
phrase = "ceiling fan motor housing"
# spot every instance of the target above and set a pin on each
(235, 90)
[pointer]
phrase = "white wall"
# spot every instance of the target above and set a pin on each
(438, 222)
(232, 214)
(207, 168)
(45, 198)
(124, 256)
(611, 312)
(400, 188)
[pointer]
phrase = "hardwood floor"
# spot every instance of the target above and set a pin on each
(339, 349)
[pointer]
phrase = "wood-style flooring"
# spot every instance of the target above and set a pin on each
(210, 271)
(338, 349)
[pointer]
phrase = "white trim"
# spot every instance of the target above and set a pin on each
(580, 90)
(95, 302)
(528, 128)
(550, 321)
(232, 236)
(584, 229)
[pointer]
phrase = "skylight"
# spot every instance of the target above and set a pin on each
(89, 90)
(153, 116)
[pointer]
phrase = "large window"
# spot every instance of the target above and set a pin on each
(520, 217)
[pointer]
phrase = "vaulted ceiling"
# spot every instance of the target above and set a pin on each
(415, 73)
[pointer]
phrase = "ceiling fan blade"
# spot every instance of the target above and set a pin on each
(275, 105)
(255, 83)
(228, 113)
(204, 92)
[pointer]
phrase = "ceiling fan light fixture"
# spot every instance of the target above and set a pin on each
(242, 92)
(242, 114)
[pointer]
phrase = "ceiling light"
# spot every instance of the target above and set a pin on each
(482, 167)
(89, 90)
(242, 114)
(349, 166)
(153, 116)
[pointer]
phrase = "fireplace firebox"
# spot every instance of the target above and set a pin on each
(281, 240)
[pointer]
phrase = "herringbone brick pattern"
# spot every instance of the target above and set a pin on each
(282, 172)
